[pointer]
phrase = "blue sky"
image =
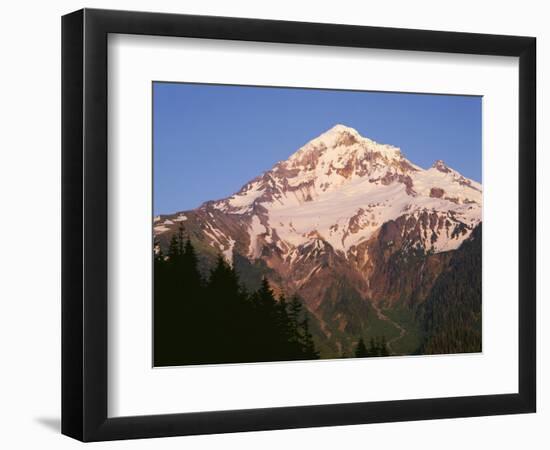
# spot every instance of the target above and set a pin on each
(209, 140)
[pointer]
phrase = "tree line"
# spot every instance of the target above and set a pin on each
(377, 347)
(451, 315)
(214, 319)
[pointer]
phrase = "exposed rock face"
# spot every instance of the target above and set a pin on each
(395, 262)
(441, 166)
(345, 222)
(436, 192)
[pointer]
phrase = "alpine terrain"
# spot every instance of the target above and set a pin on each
(377, 248)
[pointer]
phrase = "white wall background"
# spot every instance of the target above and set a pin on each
(30, 226)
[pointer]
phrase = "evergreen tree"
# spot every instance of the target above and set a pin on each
(174, 249)
(267, 323)
(295, 315)
(383, 347)
(191, 298)
(225, 315)
(373, 348)
(451, 314)
(285, 324)
(180, 239)
(199, 321)
(361, 349)
(190, 269)
(167, 306)
(308, 346)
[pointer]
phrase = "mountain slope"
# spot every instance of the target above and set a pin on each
(451, 314)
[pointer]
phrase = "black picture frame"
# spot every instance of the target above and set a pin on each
(84, 224)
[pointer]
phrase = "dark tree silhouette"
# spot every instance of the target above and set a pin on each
(383, 347)
(215, 320)
(451, 315)
(361, 349)
(308, 346)
(377, 347)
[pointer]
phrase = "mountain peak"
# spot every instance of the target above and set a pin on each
(341, 149)
(337, 135)
(340, 128)
(341, 135)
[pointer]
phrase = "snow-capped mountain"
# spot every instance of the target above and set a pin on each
(340, 188)
(343, 216)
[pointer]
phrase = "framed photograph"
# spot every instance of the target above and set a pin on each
(273, 224)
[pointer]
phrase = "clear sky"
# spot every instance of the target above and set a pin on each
(209, 140)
